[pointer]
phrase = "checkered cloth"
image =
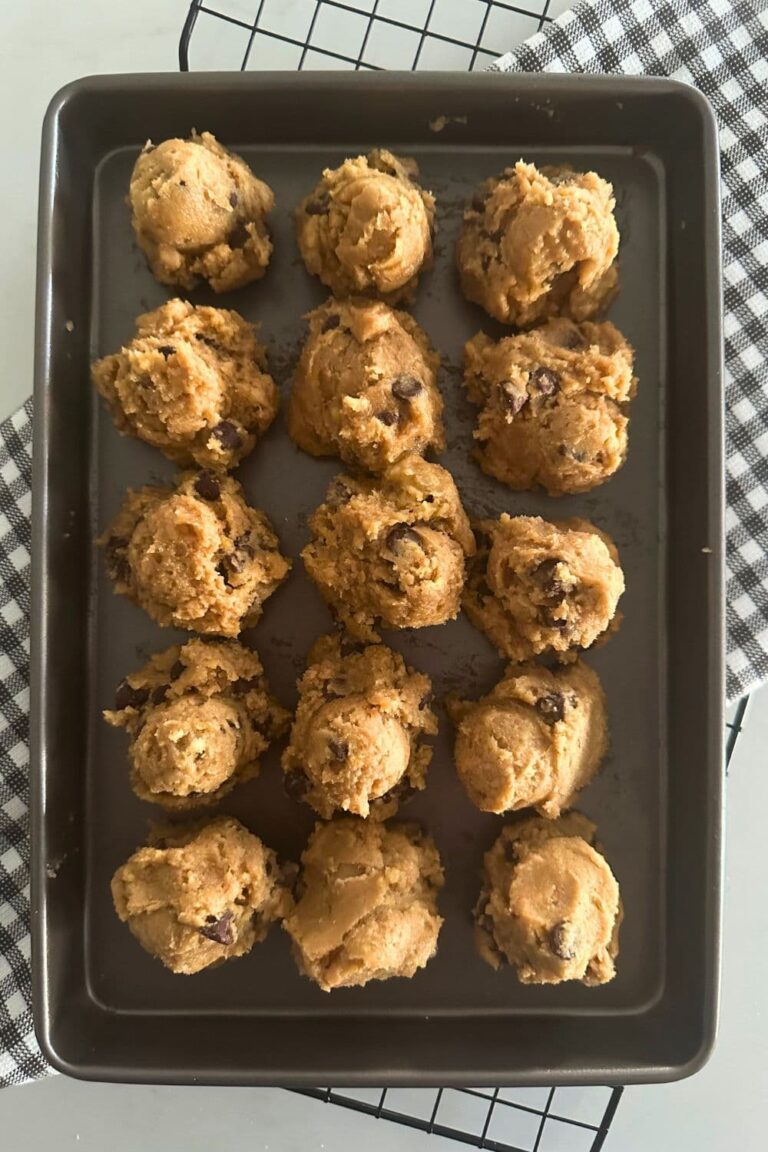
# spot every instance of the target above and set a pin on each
(721, 46)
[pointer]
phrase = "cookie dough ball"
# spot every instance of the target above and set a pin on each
(534, 741)
(355, 744)
(195, 556)
(367, 227)
(193, 383)
(550, 904)
(366, 903)
(200, 895)
(365, 387)
(551, 404)
(199, 717)
(536, 586)
(390, 552)
(536, 244)
(199, 213)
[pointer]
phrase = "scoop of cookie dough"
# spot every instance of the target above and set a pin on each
(199, 717)
(195, 556)
(200, 895)
(536, 586)
(550, 904)
(536, 244)
(367, 227)
(534, 741)
(365, 387)
(199, 213)
(193, 383)
(355, 743)
(366, 903)
(390, 552)
(551, 404)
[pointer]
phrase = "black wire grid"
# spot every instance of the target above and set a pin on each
(371, 35)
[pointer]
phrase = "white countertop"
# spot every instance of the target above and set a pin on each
(44, 44)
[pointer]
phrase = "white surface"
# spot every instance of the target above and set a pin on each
(42, 46)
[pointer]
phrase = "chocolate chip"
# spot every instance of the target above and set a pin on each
(510, 851)
(546, 380)
(207, 486)
(167, 350)
(511, 397)
(182, 183)
(331, 322)
(129, 697)
(227, 435)
(219, 929)
(243, 685)
(176, 670)
(388, 419)
(401, 534)
(296, 785)
(339, 749)
(319, 206)
(337, 493)
(406, 387)
(551, 708)
(207, 340)
(233, 199)
(245, 544)
(428, 499)
(546, 576)
(560, 943)
(549, 620)
(160, 693)
(238, 236)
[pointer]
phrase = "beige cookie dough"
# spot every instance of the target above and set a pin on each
(390, 552)
(538, 586)
(550, 904)
(356, 743)
(540, 243)
(366, 227)
(199, 716)
(552, 404)
(193, 382)
(534, 741)
(199, 213)
(366, 903)
(365, 387)
(198, 896)
(195, 556)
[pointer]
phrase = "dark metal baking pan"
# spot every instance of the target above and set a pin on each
(104, 1009)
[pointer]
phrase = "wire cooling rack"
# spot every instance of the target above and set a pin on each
(370, 34)
(414, 34)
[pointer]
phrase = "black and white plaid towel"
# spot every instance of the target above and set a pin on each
(721, 46)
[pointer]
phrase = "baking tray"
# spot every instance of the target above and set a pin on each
(106, 1010)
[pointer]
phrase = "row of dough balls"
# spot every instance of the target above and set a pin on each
(552, 402)
(394, 551)
(364, 903)
(200, 716)
(534, 244)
